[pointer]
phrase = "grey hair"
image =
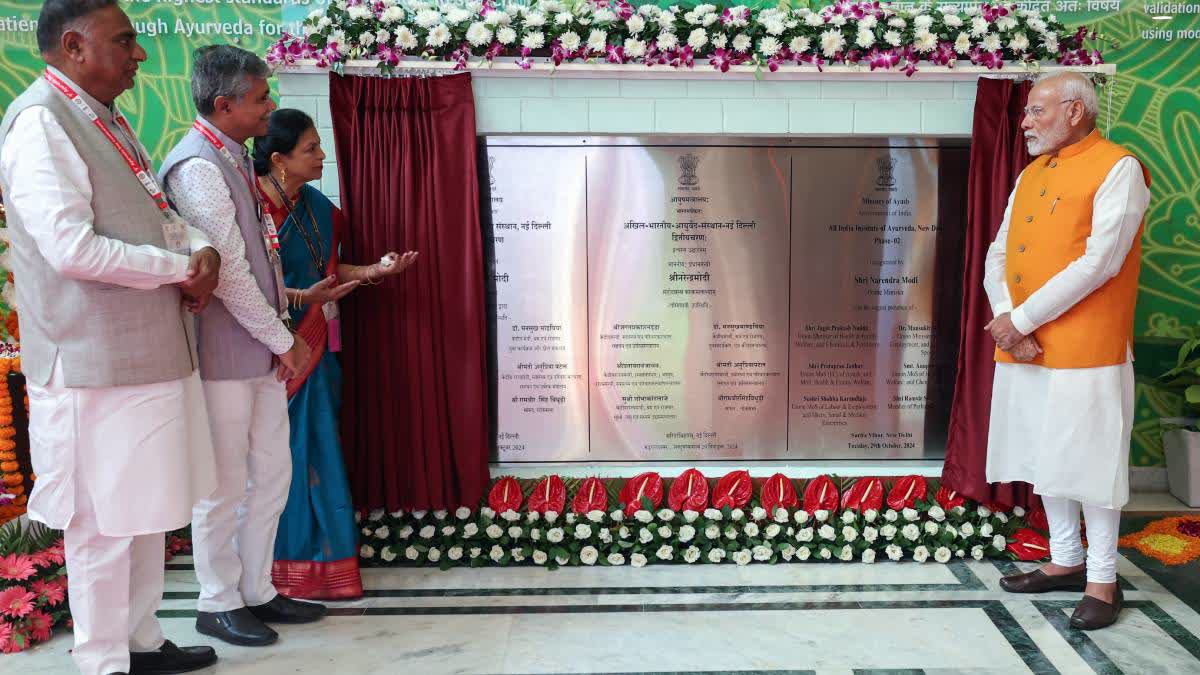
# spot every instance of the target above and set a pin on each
(223, 70)
(1075, 87)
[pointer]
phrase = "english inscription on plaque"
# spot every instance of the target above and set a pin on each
(713, 300)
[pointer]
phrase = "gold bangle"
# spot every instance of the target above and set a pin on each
(367, 275)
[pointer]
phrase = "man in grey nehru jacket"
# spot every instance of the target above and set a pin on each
(118, 431)
(247, 352)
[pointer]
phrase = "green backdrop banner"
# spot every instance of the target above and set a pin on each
(1152, 106)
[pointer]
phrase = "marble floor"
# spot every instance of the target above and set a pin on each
(800, 618)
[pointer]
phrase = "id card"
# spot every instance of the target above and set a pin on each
(175, 232)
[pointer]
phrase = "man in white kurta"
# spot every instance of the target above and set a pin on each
(118, 428)
(1066, 430)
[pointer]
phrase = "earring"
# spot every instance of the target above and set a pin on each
(283, 175)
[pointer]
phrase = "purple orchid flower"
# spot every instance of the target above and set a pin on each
(524, 63)
(615, 54)
(389, 55)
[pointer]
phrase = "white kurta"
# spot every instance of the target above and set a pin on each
(1066, 431)
(141, 454)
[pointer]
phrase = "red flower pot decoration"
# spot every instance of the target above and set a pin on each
(649, 485)
(549, 495)
(906, 492)
(948, 499)
(505, 495)
(865, 495)
(820, 495)
(1028, 544)
(778, 492)
(734, 490)
(689, 492)
(592, 496)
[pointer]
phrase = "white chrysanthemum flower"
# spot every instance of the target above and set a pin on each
(1019, 42)
(479, 34)
(742, 43)
(922, 22)
(814, 20)
(827, 532)
(643, 516)
(897, 22)
(412, 553)
(638, 560)
(999, 542)
(555, 535)
(535, 40)
(805, 534)
(992, 42)
(635, 25)
(979, 26)
(713, 531)
(570, 40)
(616, 559)
(387, 554)
(563, 19)
(366, 551)
(925, 42)
(772, 531)
(774, 27)
(697, 38)
(962, 44)
(540, 557)
(588, 555)
(439, 36)
(942, 555)
(366, 39)
(1038, 26)
(360, 12)
(720, 41)
(838, 20)
(911, 532)
(921, 554)
(459, 15)
(1008, 22)
(428, 18)
(687, 533)
(392, 15)
(868, 556)
(894, 552)
(692, 18)
(751, 530)
(597, 40)
(604, 15)
(952, 21)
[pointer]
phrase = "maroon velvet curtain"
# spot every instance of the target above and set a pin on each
(415, 417)
(998, 155)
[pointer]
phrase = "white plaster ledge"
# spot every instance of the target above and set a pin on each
(507, 67)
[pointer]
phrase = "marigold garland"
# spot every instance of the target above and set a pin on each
(13, 499)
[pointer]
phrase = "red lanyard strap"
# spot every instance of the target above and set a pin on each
(142, 173)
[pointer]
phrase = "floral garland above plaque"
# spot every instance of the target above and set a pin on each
(864, 34)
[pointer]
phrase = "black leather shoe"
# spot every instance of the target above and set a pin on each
(1038, 581)
(285, 610)
(171, 659)
(1093, 613)
(237, 627)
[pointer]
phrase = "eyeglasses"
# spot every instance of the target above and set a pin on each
(1036, 111)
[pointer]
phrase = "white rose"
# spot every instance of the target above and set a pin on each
(515, 532)
(366, 552)
(910, 515)
(868, 556)
(455, 553)
(427, 532)
(849, 533)
(387, 554)
(623, 532)
(788, 552)
(570, 518)
(977, 552)
(870, 515)
(462, 513)
(827, 532)
(848, 517)
(540, 557)
(743, 557)
(638, 560)
(731, 532)
(606, 536)
(377, 514)
(535, 534)
(773, 531)
(412, 553)
(406, 532)
(781, 516)
(870, 534)
(475, 551)
(911, 532)
(664, 531)
(986, 530)
(1018, 511)
(643, 516)
(435, 555)
(716, 555)
(616, 559)
(712, 531)
(950, 529)
(737, 514)
(801, 517)
(751, 530)
(960, 553)
(847, 553)
(645, 537)
(470, 529)
(942, 554)
(595, 516)
(803, 553)
(686, 533)
(713, 514)
(449, 530)
(999, 542)
(665, 552)
(894, 552)
(891, 516)
(1000, 516)
(517, 555)
(931, 528)
(937, 513)
(583, 531)
(617, 516)
(805, 534)
(666, 515)
(967, 529)
(588, 555)
(690, 516)
(562, 559)
(510, 516)
(494, 531)
(825, 554)
(921, 554)
(533, 517)
(383, 532)
(691, 555)
(555, 535)
(821, 515)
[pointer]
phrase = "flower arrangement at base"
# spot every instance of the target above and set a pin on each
(738, 520)
(870, 34)
(33, 586)
(12, 474)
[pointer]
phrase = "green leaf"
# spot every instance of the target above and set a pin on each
(647, 504)
(1192, 394)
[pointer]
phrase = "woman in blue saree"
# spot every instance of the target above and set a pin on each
(316, 550)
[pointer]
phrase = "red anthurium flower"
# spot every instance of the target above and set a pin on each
(734, 490)
(865, 495)
(505, 495)
(689, 492)
(1037, 519)
(549, 495)
(592, 496)
(820, 495)
(778, 492)
(948, 499)
(1028, 544)
(906, 492)
(649, 485)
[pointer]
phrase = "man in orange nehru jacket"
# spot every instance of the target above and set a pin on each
(1062, 279)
